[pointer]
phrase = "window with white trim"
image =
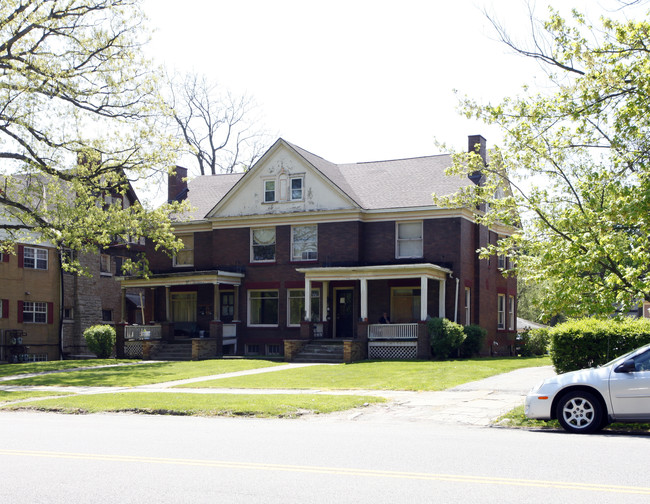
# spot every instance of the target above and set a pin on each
(35, 258)
(511, 313)
(296, 188)
(185, 256)
(34, 312)
(105, 264)
(304, 243)
(501, 311)
(468, 306)
(263, 245)
(263, 307)
(409, 240)
(296, 306)
(269, 191)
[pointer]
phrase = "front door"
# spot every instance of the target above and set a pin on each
(227, 302)
(344, 307)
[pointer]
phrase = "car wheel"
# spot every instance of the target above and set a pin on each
(580, 412)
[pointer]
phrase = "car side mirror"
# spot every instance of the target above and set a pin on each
(626, 367)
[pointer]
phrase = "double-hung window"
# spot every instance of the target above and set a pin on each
(263, 307)
(511, 313)
(35, 258)
(304, 243)
(468, 306)
(296, 188)
(501, 311)
(409, 239)
(185, 256)
(34, 312)
(263, 245)
(269, 191)
(296, 306)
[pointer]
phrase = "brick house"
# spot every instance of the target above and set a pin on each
(299, 248)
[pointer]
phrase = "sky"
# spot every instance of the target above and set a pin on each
(355, 80)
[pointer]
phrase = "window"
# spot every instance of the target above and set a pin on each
(296, 189)
(35, 258)
(273, 350)
(263, 245)
(468, 306)
(184, 306)
(501, 311)
(502, 262)
(263, 308)
(107, 315)
(34, 312)
(269, 191)
(405, 305)
(105, 264)
(4, 308)
(304, 243)
(252, 349)
(296, 306)
(68, 314)
(511, 313)
(409, 239)
(185, 257)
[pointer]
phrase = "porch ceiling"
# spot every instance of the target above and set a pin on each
(183, 278)
(383, 272)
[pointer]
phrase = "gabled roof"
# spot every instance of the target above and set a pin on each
(400, 183)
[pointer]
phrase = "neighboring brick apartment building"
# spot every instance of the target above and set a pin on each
(298, 243)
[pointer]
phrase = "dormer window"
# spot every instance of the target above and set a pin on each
(269, 191)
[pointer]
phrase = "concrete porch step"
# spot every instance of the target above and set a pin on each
(174, 352)
(321, 352)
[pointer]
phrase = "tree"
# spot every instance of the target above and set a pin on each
(77, 124)
(573, 172)
(218, 128)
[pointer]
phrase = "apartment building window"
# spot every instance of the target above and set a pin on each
(409, 240)
(511, 313)
(468, 306)
(304, 243)
(107, 315)
(35, 258)
(501, 311)
(68, 313)
(185, 256)
(34, 312)
(263, 307)
(296, 306)
(269, 191)
(105, 265)
(296, 189)
(263, 245)
(4, 308)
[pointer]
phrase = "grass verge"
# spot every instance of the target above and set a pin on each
(10, 396)
(253, 405)
(40, 367)
(380, 375)
(516, 418)
(142, 374)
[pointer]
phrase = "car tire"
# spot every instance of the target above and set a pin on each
(580, 412)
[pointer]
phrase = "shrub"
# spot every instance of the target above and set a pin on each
(446, 337)
(587, 343)
(474, 337)
(100, 340)
(533, 342)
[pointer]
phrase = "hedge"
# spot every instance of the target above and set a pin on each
(100, 340)
(585, 343)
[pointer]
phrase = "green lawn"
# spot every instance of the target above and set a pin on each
(380, 375)
(39, 367)
(257, 405)
(18, 395)
(142, 374)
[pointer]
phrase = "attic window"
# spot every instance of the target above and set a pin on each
(296, 188)
(269, 191)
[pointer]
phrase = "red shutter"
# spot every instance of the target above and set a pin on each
(21, 253)
(5, 308)
(20, 312)
(50, 313)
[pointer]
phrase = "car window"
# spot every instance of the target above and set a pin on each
(622, 358)
(642, 362)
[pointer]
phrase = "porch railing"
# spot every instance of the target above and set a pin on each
(143, 332)
(392, 331)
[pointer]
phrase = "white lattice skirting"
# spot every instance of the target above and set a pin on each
(133, 349)
(392, 350)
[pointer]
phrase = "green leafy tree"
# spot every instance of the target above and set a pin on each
(573, 172)
(78, 113)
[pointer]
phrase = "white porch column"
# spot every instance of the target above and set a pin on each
(168, 314)
(216, 303)
(441, 299)
(307, 300)
(326, 291)
(364, 299)
(424, 297)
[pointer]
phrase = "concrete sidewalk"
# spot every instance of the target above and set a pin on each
(474, 403)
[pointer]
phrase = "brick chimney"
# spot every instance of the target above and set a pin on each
(472, 141)
(177, 185)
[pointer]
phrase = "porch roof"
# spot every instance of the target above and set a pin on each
(183, 278)
(382, 272)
